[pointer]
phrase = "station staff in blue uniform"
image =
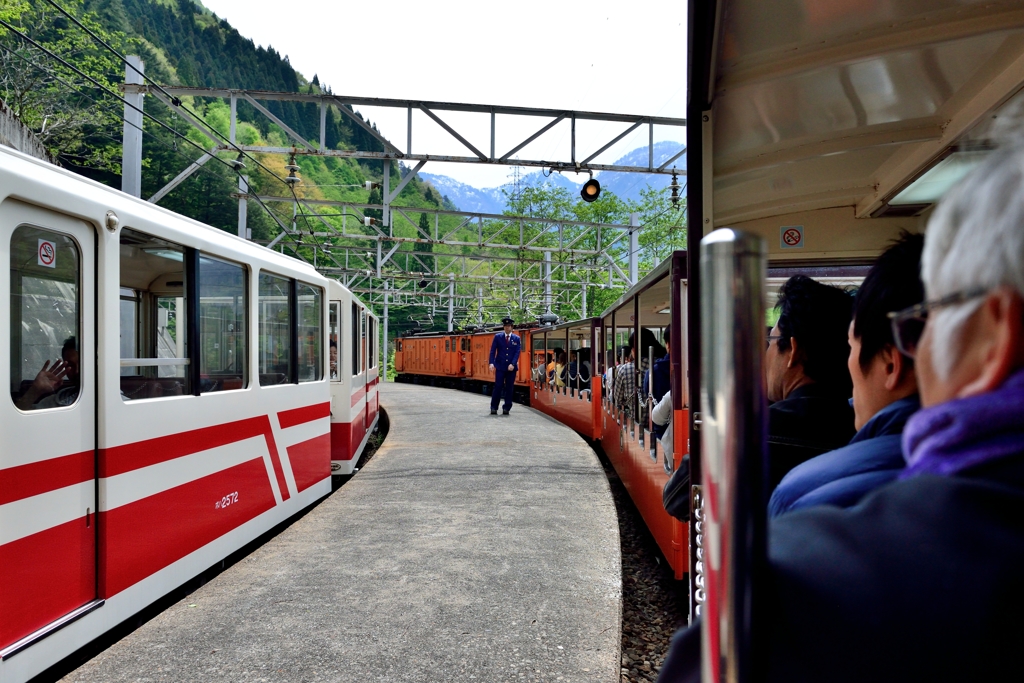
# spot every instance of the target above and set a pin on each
(504, 360)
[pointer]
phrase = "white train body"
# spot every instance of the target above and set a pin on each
(355, 408)
(146, 469)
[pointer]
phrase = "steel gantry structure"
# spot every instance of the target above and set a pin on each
(521, 265)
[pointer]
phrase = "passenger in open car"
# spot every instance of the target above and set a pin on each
(884, 392)
(921, 579)
(806, 375)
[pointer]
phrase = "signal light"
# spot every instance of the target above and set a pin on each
(591, 190)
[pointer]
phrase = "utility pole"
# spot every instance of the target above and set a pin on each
(547, 281)
(451, 301)
(384, 360)
(131, 145)
(634, 247)
(243, 206)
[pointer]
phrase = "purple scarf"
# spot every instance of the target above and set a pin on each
(952, 436)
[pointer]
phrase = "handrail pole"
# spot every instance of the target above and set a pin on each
(734, 475)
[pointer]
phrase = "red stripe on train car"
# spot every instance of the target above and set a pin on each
(297, 416)
(341, 441)
(311, 461)
(358, 394)
(134, 456)
(35, 478)
(143, 537)
(41, 578)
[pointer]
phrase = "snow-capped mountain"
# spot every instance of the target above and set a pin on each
(624, 185)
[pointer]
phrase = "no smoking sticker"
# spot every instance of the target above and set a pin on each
(791, 237)
(47, 254)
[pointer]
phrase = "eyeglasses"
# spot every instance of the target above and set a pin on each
(770, 338)
(908, 324)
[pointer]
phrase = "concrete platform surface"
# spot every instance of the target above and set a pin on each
(470, 548)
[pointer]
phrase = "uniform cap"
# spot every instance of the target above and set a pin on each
(507, 321)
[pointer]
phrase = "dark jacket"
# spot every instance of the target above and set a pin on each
(808, 422)
(842, 477)
(662, 382)
(919, 581)
(505, 353)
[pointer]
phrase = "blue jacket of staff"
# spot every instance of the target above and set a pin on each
(505, 352)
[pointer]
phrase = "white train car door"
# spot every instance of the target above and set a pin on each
(48, 421)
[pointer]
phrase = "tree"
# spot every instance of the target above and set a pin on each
(77, 121)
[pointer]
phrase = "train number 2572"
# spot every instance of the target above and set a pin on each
(227, 500)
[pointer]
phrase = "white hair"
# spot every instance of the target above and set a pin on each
(975, 240)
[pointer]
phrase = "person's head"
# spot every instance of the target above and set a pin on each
(572, 356)
(560, 358)
(507, 325)
(809, 342)
(974, 259)
(880, 373)
(666, 336)
(647, 341)
(69, 354)
(551, 357)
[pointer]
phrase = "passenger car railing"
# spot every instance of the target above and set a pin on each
(733, 267)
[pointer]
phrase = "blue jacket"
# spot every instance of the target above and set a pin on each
(502, 355)
(842, 477)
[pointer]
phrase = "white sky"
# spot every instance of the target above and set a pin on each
(622, 57)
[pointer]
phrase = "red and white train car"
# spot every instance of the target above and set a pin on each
(355, 373)
(169, 402)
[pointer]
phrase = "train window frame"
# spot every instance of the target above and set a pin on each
(209, 386)
(289, 376)
(43, 402)
(355, 340)
(316, 362)
(144, 255)
(335, 334)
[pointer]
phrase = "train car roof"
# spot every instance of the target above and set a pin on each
(581, 322)
(94, 199)
(827, 113)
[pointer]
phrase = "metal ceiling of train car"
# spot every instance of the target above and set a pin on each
(820, 104)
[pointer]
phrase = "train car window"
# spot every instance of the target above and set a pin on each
(447, 346)
(355, 340)
(129, 315)
(275, 330)
(45, 319)
(222, 325)
(334, 335)
(311, 329)
(154, 326)
(372, 350)
(363, 330)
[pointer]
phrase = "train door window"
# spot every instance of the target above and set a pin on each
(311, 330)
(355, 340)
(334, 334)
(129, 315)
(363, 345)
(45, 319)
(275, 353)
(447, 346)
(222, 325)
(373, 342)
(154, 325)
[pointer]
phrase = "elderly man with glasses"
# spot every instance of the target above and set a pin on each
(921, 580)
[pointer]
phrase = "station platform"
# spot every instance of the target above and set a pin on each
(470, 547)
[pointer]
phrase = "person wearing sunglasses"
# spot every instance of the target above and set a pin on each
(806, 375)
(920, 581)
(884, 392)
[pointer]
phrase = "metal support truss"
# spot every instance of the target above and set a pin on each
(564, 160)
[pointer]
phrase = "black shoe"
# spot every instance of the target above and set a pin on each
(504, 412)
(494, 412)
